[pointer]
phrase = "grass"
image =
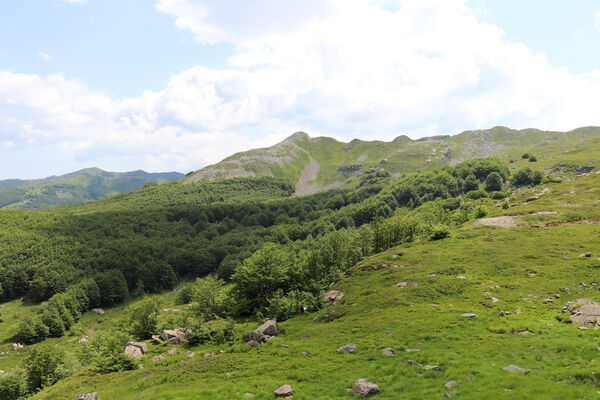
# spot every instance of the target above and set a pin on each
(513, 264)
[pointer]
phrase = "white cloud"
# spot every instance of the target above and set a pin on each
(75, 1)
(344, 68)
(597, 20)
(45, 56)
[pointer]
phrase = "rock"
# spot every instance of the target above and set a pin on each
(412, 350)
(487, 293)
(583, 328)
(583, 311)
(176, 336)
(532, 198)
(173, 351)
(504, 313)
(461, 277)
(514, 368)
(285, 345)
(402, 285)
(133, 351)
(140, 345)
(284, 391)
(16, 346)
(469, 315)
(305, 353)
(208, 355)
(157, 339)
(494, 299)
(585, 255)
(249, 395)
(158, 358)
(388, 351)
(84, 339)
(2, 372)
(263, 333)
(517, 312)
(449, 394)
(190, 354)
(88, 396)
(450, 384)
(364, 388)
(431, 368)
(333, 297)
(349, 348)
(413, 362)
(98, 311)
(557, 296)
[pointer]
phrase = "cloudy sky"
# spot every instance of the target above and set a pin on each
(177, 84)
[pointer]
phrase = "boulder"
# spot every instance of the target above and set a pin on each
(514, 368)
(504, 313)
(84, 339)
(583, 311)
(364, 388)
(585, 255)
(158, 339)
(431, 368)
(388, 351)
(469, 315)
(263, 333)
(173, 351)
(158, 358)
(176, 336)
(190, 354)
(402, 285)
(88, 396)
(349, 348)
(285, 391)
(16, 346)
(133, 351)
(140, 345)
(98, 311)
(450, 384)
(333, 297)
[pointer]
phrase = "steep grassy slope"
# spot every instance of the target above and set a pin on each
(74, 188)
(341, 163)
(523, 267)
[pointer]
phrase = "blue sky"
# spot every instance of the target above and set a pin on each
(177, 84)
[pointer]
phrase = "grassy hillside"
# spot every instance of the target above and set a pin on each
(340, 164)
(522, 267)
(74, 188)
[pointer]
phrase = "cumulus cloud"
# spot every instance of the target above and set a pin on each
(344, 68)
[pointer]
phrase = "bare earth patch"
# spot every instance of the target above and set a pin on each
(502, 222)
(307, 183)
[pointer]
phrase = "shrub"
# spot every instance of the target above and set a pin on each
(525, 156)
(480, 212)
(105, 351)
(283, 307)
(12, 386)
(476, 194)
(532, 158)
(217, 331)
(439, 232)
(211, 298)
(493, 182)
(551, 179)
(185, 295)
(471, 183)
(31, 330)
(143, 317)
(42, 367)
(499, 195)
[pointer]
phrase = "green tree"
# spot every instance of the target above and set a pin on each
(143, 317)
(42, 367)
(471, 183)
(493, 182)
(210, 297)
(257, 279)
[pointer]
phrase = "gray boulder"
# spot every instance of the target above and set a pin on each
(133, 351)
(514, 368)
(177, 336)
(388, 351)
(284, 391)
(349, 348)
(333, 297)
(88, 396)
(364, 388)
(140, 345)
(262, 334)
(469, 315)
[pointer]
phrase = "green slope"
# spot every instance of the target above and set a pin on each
(74, 188)
(533, 262)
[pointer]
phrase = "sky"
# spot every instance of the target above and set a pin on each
(165, 85)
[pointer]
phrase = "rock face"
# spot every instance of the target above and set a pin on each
(263, 333)
(514, 368)
(583, 311)
(88, 396)
(333, 297)
(177, 336)
(284, 391)
(364, 388)
(349, 348)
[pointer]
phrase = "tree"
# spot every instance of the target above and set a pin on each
(210, 297)
(493, 182)
(471, 183)
(143, 317)
(42, 367)
(257, 279)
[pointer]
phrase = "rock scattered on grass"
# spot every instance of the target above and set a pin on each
(413, 362)
(469, 315)
(349, 348)
(504, 313)
(173, 351)
(263, 333)
(516, 369)
(249, 395)
(88, 396)
(431, 368)
(583, 311)
(402, 285)
(585, 255)
(160, 357)
(333, 297)
(450, 384)
(284, 391)
(412, 350)
(190, 354)
(517, 312)
(364, 388)
(388, 351)
(494, 299)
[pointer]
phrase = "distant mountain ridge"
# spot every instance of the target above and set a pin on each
(322, 163)
(73, 188)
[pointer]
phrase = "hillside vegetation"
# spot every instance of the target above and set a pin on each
(457, 272)
(74, 188)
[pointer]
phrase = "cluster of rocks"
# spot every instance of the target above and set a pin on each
(88, 396)
(262, 334)
(177, 336)
(16, 346)
(583, 312)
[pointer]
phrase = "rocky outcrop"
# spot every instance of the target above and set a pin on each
(88, 396)
(364, 388)
(263, 333)
(333, 297)
(583, 311)
(177, 336)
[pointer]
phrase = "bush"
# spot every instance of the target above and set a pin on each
(217, 331)
(480, 212)
(211, 298)
(525, 156)
(532, 158)
(42, 367)
(499, 195)
(476, 194)
(439, 232)
(143, 317)
(105, 351)
(31, 330)
(551, 179)
(493, 182)
(284, 307)
(185, 295)
(12, 386)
